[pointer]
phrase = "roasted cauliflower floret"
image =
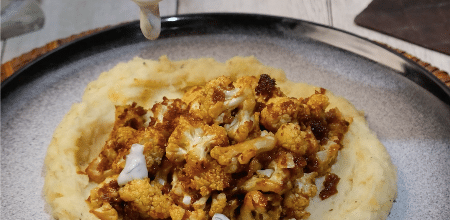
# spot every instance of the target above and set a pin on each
(102, 198)
(216, 97)
(192, 140)
(260, 207)
(147, 198)
(219, 202)
(337, 125)
(206, 177)
(166, 114)
(327, 156)
(129, 116)
(241, 153)
(153, 142)
(278, 111)
(106, 212)
(129, 121)
(275, 178)
(318, 100)
(245, 119)
(290, 137)
(242, 149)
(176, 212)
(297, 199)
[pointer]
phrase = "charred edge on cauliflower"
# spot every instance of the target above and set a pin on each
(238, 148)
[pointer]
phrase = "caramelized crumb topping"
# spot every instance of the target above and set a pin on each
(240, 148)
(330, 184)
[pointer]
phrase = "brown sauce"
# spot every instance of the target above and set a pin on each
(330, 184)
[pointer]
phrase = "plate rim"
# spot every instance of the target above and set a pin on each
(190, 24)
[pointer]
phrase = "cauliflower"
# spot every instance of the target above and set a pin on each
(115, 148)
(231, 208)
(245, 120)
(153, 141)
(102, 196)
(198, 214)
(241, 153)
(163, 172)
(260, 207)
(106, 212)
(177, 212)
(297, 199)
(290, 137)
(278, 180)
(221, 101)
(192, 140)
(146, 197)
(254, 201)
(318, 100)
(219, 202)
(337, 125)
(188, 183)
(278, 111)
(129, 122)
(216, 97)
(166, 114)
(206, 178)
(129, 116)
(242, 149)
(327, 156)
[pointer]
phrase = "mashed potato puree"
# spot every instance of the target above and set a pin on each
(367, 186)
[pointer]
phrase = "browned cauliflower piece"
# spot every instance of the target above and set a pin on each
(241, 153)
(166, 114)
(147, 198)
(198, 214)
(153, 142)
(129, 119)
(192, 140)
(129, 116)
(219, 202)
(216, 97)
(207, 177)
(177, 212)
(106, 212)
(278, 111)
(260, 207)
(103, 197)
(297, 199)
(242, 149)
(275, 178)
(290, 137)
(231, 208)
(337, 125)
(318, 100)
(326, 157)
(228, 103)
(245, 120)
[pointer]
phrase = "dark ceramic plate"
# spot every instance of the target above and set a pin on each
(405, 105)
